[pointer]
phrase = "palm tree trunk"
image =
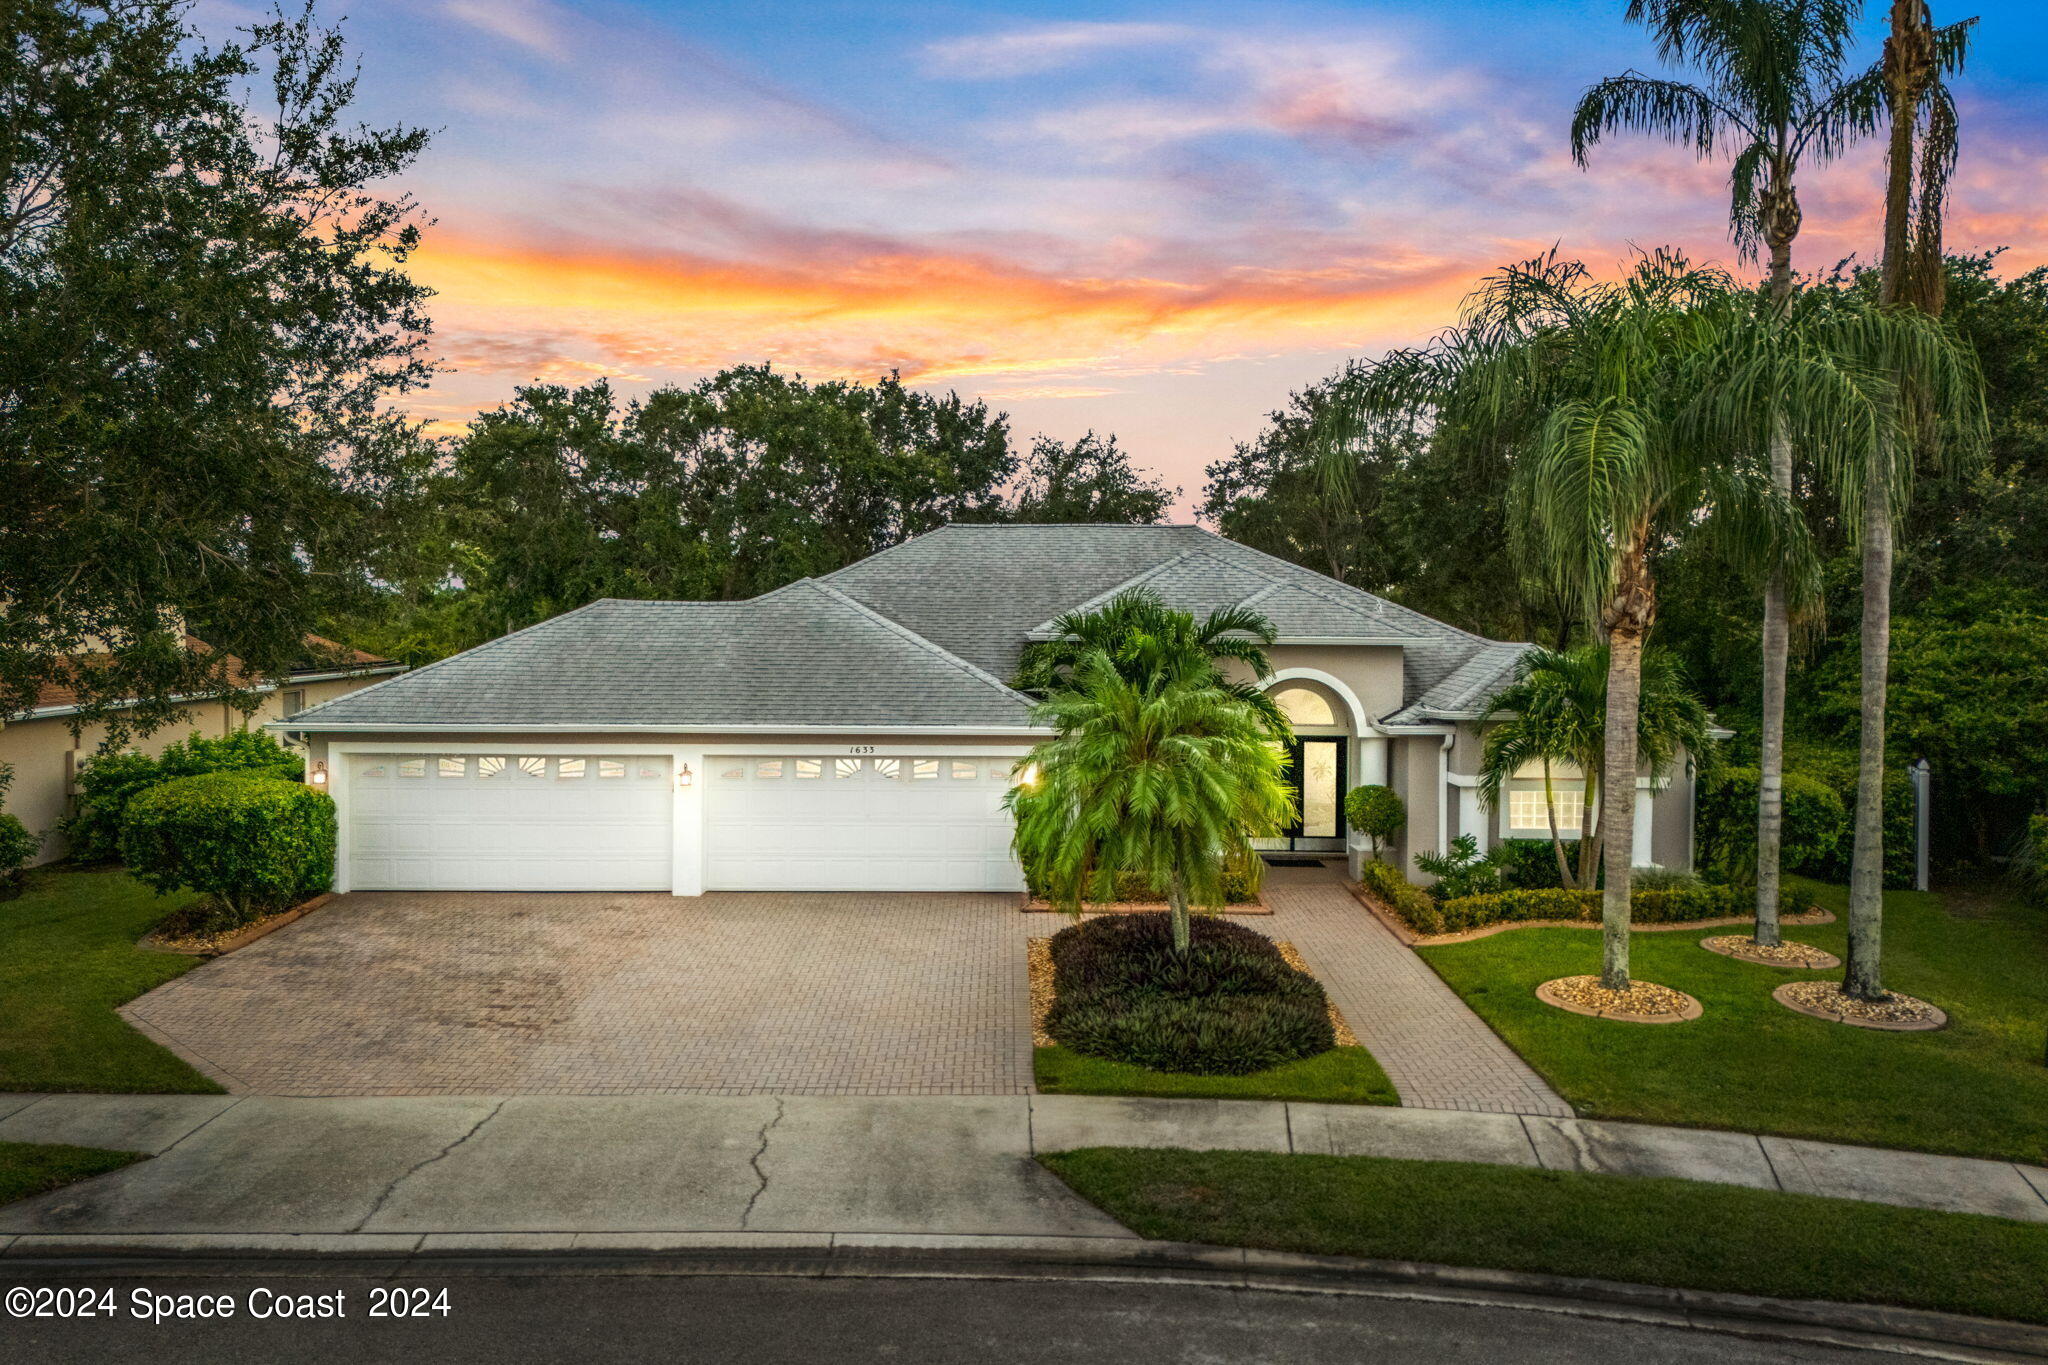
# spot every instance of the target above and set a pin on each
(1863, 979)
(1564, 868)
(1177, 908)
(1589, 834)
(1618, 803)
(1770, 813)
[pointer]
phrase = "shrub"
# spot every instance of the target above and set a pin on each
(1416, 907)
(1663, 879)
(1679, 905)
(1228, 1006)
(2030, 862)
(1376, 812)
(1835, 769)
(252, 843)
(1240, 885)
(1528, 864)
(17, 845)
(108, 782)
(1816, 824)
(1464, 871)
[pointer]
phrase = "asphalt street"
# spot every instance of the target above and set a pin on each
(571, 1313)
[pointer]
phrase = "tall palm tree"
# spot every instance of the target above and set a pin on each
(1774, 94)
(1920, 155)
(1555, 710)
(1169, 776)
(1143, 638)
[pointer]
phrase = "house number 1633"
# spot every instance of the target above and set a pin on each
(860, 748)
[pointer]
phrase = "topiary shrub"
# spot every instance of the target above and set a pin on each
(1415, 906)
(108, 782)
(17, 845)
(1228, 1006)
(1815, 827)
(1376, 812)
(251, 844)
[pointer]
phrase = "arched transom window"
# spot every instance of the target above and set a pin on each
(1304, 707)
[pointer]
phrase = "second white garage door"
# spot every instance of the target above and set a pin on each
(785, 823)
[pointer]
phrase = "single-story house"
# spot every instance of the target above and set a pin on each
(45, 752)
(856, 733)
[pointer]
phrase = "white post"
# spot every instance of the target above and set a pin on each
(687, 850)
(1922, 779)
(1372, 761)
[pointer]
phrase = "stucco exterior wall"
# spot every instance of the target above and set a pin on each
(45, 754)
(1372, 672)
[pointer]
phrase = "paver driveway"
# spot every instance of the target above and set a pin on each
(397, 993)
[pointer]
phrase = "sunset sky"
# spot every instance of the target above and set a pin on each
(1153, 219)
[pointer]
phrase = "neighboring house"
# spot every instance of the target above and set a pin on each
(45, 753)
(855, 732)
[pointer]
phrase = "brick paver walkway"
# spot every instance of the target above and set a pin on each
(1438, 1053)
(405, 993)
(389, 993)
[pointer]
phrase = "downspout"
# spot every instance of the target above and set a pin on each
(1443, 794)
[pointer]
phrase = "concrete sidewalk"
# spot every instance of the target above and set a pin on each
(665, 1171)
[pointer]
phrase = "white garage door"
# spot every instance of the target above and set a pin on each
(858, 824)
(510, 822)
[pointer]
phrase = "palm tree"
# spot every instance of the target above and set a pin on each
(1920, 155)
(1144, 638)
(1774, 94)
(1168, 776)
(1555, 711)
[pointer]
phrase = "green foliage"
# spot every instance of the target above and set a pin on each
(17, 845)
(204, 310)
(107, 782)
(1836, 768)
(1665, 879)
(1673, 905)
(1416, 907)
(1089, 480)
(1816, 825)
(1526, 864)
(253, 843)
(1241, 881)
(1376, 812)
(1463, 870)
(2030, 862)
(1227, 1004)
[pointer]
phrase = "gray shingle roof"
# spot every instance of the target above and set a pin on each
(804, 655)
(920, 635)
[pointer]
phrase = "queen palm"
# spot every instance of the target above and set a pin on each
(1168, 776)
(1774, 95)
(1555, 710)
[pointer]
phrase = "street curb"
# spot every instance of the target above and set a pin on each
(903, 1255)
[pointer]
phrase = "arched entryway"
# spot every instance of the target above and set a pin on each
(1320, 762)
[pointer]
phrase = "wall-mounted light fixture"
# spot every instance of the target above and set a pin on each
(1030, 775)
(684, 777)
(318, 777)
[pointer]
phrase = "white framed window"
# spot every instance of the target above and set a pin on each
(294, 701)
(450, 765)
(612, 767)
(490, 765)
(924, 769)
(569, 769)
(533, 766)
(964, 772)
(889, 768)
(1302, 706)
(768, 768)
(1526, 813)
(810, 769)
(846, 767)
(412, 767)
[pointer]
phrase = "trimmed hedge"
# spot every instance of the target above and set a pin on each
(108, 782)
(252, 843)
(1679, 905)
(1229, 1006)
(1413, 904)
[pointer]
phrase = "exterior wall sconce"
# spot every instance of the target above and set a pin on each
(317, 777)
(684, 777)
(1029, 776)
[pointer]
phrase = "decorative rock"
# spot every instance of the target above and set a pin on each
(1791, 956)
(1824, 1000)
(1644, 1002)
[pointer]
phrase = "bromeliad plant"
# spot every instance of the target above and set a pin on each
(1168, 776)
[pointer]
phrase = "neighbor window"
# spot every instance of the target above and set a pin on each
(808, 768)
(452, 767)
(1525, 810)
(569, 767)
(295, 701)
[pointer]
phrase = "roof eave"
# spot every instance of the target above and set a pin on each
(666, 728)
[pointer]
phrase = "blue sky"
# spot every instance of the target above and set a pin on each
(1146, 218)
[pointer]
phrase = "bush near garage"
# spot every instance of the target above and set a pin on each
(17, 845)
(252, 844)
(1229, 1006)
(108, 782)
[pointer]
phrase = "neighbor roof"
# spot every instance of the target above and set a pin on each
(804, 656)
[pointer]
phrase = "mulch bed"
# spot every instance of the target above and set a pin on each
(1896, 1013)
(1792, 956)
(168, 939)
(1038, 960)
(1644, 1002)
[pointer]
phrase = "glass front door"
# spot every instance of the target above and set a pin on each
(1318, 772)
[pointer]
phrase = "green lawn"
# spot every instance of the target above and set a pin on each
(1977, 1087)
(67, 958)
(28, 1168)
(1665, 1232)
(1344, 1075)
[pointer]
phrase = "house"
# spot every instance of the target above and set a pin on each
(855, 732)
(45, 753)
